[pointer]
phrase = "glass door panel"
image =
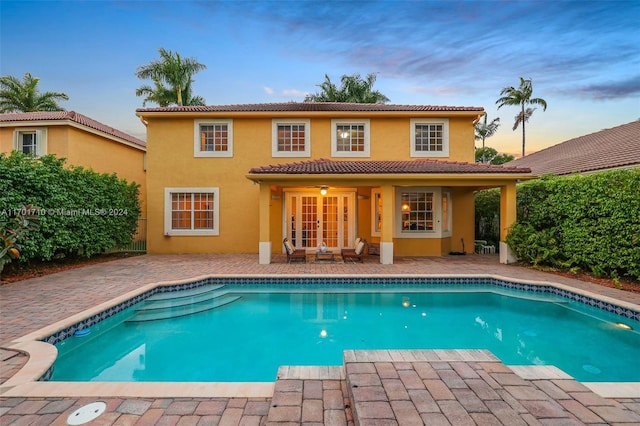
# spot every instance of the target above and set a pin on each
(346, 223)
(313, 218)
(309, 221)
(330, 221)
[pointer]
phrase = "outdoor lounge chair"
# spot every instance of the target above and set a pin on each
(355, 244)
(356, 253)
(294, 254)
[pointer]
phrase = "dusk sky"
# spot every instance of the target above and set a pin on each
(583, 56)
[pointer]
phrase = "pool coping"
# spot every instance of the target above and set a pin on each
(26, 383)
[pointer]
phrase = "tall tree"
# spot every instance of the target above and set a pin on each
(489, 155)
(486, 130)
(174, 71)
(521, 97)
(353, 89)
(24, 96)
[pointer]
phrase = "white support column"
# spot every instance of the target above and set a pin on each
(386, 235)
(264, 247)
(386, 253)
(265, 252)
(507, 218)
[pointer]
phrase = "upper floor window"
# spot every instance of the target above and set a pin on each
(31, 141)
(430, 137)
(213, 138)
(350, 138)
(291, 138)
(191, 211)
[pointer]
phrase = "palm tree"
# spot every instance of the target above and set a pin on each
(486, 130)
(488, 155)
(158, 94)
(175, 71)
(24, 96)
(353, 89)
(522, 97)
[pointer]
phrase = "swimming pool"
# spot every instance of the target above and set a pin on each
(251, 329)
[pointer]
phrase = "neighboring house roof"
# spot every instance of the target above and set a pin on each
(312, 106)
(618, 147)
(69, 117)
(355, 167)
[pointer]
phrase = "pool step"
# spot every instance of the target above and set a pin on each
(182, 310)
(150, 305)
(537, 297)
(185, 293)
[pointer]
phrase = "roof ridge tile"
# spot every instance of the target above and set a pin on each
(72, 116)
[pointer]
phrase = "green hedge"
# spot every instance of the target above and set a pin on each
(586, 222)
(80, 212)
(487, 216)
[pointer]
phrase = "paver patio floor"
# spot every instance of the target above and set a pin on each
(32, 304)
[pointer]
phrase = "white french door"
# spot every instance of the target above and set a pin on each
(313, 219)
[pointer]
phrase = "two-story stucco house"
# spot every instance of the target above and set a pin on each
(240, 178)
(83, 141)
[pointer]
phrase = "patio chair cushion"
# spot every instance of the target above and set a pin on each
(287, 247)
(359, 247)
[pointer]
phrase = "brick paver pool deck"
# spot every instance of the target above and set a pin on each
(372, 388)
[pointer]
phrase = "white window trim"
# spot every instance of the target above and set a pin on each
(374, 213)
(197, 152)
(445, 137)
(274, 138)
(168, 231)
(446, 232)
(41, 139)
(437, 213)
(334, 138)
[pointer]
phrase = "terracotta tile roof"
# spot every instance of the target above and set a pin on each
(310, 107)
(71, 116)
(606, 149)
(357, 167)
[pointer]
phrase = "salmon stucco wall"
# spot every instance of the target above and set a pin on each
(108, 156)
(89, 150)
(171, 163)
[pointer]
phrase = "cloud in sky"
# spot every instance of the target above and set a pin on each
(581, 55)
(612, 90)
(294, 93)
(457, 41)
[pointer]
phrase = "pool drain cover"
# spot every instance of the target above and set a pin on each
(86, 413)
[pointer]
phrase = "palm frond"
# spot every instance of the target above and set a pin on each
(24, 96)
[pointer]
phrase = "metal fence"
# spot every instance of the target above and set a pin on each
(139, 243)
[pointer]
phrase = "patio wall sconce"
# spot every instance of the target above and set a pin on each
(323, 190)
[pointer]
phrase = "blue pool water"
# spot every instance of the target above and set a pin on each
(249, 338)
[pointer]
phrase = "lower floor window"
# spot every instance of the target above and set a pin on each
(422, 212)
(191, 211)
(417, 211)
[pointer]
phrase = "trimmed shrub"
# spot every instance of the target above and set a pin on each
(80, 212)
(487, 216)
(587, 222)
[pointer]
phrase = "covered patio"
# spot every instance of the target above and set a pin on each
(407, 208)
